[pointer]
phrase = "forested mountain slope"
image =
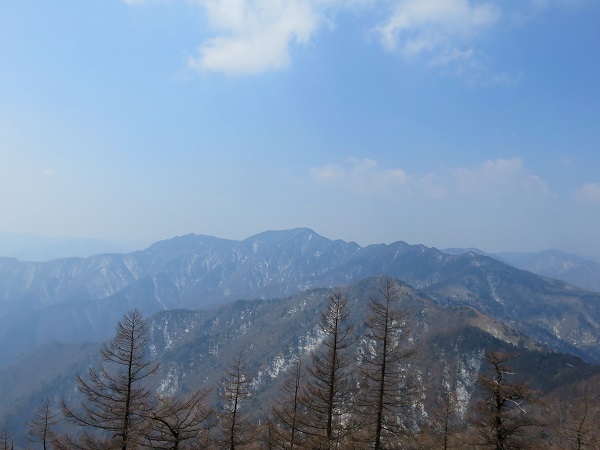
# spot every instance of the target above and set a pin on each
(194, 349)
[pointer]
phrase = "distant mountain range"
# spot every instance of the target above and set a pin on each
(80, 299)
(208, 298)
(564, 266)
(31, 247)
(571, 268)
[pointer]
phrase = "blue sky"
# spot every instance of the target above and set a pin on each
(450, 123)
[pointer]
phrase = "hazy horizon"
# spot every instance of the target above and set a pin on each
(447, 123)
(31, 247)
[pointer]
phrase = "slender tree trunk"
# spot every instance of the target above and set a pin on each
(332, 377)
(382, 383)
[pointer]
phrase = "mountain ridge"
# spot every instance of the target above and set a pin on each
(195, 271)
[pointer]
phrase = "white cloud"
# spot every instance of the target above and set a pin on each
(565, 160)
(364, 177)
(328, 173)
(588, 193)
(255, 35)
(499, 177)
(451, 56)
(495, 204)
(443, 34)
(432, 186)
(491, 180)
(435, 26)
(529, 9)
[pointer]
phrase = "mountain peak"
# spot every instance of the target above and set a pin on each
(284, 234)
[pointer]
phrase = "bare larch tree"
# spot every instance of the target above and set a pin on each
(180, 423)
(236, 429)
(501, 417)
(386, 398)
(6, 437)
(40, 428)
(288, 410)
(115, 397)
(328, 397)
(577, 418)
(444, 427)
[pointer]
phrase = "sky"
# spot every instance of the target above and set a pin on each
(448, 123)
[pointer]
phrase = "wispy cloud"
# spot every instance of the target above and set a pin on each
(495, 203)
(254, 36)
(588, 193)
(434, 26)
(442, 33)
(501, 178)
(364, 177)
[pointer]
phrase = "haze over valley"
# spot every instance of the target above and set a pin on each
(358, 224)
(208, 298)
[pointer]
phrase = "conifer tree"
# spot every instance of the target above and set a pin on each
(115, 398)
(328, 397)
(40, 428)
(236, 429)
(180, 423)
(577, 421)
(288, 410)
(501, 417)
(444, 428)
(7, 438)
(385, 395)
